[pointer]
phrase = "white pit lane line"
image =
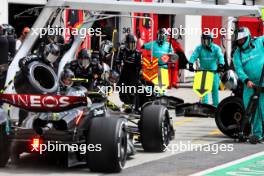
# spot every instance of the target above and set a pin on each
(228, 164)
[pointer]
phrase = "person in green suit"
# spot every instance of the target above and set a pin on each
(248, 63)
(211, 58)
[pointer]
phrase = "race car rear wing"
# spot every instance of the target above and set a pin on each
(43, 103)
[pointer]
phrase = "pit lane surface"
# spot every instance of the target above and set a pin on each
(188, 131)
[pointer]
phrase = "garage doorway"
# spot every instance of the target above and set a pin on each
(21, 15)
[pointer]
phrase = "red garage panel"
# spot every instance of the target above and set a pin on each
(212, 22)
(255, 25)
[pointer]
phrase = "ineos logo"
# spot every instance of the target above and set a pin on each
(40, 101)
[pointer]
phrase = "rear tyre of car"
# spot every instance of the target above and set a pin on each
(4, 146)
(155, 128)
(109, 135)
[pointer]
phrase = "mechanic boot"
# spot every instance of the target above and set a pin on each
(254, 140)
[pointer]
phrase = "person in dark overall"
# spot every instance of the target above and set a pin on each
(130, 74)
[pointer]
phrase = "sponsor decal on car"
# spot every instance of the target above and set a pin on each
(43, 102)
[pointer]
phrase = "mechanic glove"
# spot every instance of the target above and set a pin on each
(220, 68)
(191, 67)
(249, 83)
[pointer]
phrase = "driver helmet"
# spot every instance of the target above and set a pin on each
(230, 80)
(78, 91)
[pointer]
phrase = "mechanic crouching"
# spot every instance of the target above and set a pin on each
(87, 69)
(211, 59)
(66, 81)
(80, 67)
(95, 72)
(249, 62)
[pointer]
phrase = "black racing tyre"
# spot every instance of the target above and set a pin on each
(111, 135)
(228, 116)
(36, 78)
(155, 128)
(4, 146)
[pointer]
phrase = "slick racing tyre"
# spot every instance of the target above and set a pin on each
(110, 135)
(4, 146)
(36, 78)
(155, 128)
(229, 116)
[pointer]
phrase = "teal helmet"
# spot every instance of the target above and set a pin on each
(207, 39)
(243, 38)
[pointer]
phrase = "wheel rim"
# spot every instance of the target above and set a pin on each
(165, 131)
(231, 119)
(122, 146)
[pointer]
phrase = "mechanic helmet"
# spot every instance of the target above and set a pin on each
(66, 78)
(230, 80)
(84, 58)
(95, 58)
(59, 39)
(243, 38)
(131, 42)
(206, 39)
(113, 77)
(161, 36)
(106, 48)
(51, 52)
(10, 30)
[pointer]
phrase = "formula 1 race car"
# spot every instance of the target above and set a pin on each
(86, 132)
